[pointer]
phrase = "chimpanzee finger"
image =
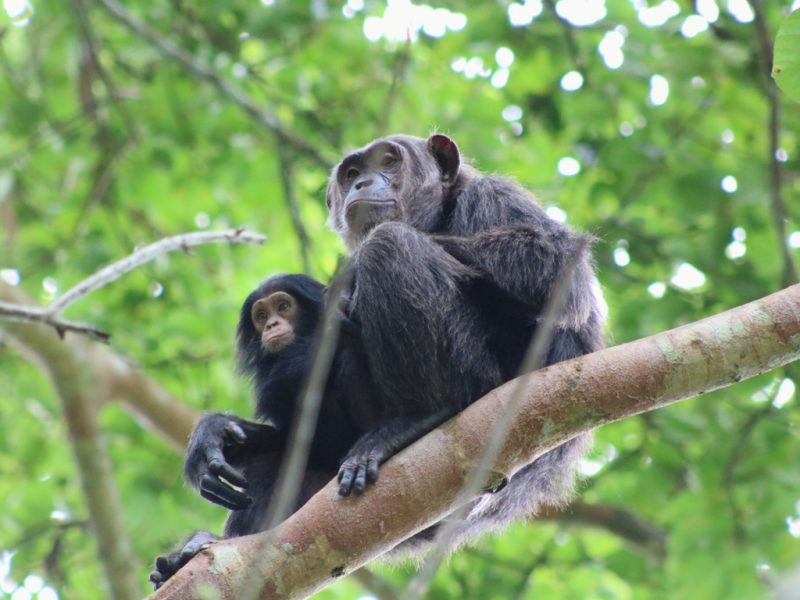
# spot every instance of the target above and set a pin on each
(373, 465)
(346, 474)
(235, 433)
(361, 479)
(212, 497)
(218, 492)
(218, 466)
(164, 564)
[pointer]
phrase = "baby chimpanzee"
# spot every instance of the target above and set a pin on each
(234, 462)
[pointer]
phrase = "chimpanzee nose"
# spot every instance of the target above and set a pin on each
(362, 183)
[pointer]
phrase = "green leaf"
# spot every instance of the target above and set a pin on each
(786, 65)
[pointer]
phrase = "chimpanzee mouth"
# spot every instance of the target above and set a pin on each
(278, 336)
(372, 202)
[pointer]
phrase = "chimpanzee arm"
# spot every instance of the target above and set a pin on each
(525, 261)
(361, 464)
(216, 441)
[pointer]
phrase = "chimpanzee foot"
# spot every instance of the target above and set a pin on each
(169, 564)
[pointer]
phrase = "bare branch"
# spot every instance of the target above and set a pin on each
(35, 314)
(378, 586)
(184, 241)
(402, 59)
(729, 477)
(115, 378)
(117, 269)
(331, 536)
(77, 389)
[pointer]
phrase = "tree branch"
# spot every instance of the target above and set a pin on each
(331, 536)
(621, 522)
(286, 171)
(76, 390)
(184, 241)
(201, 70)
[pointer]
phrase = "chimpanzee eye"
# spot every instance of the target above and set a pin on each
(261, 316)
(388, 160)
(283, 306)
(351, 174)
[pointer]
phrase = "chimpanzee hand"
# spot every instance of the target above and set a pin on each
(361, 464)
(348, 324)
(169, 564)
(215, 440)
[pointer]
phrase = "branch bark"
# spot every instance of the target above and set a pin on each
(331, 536)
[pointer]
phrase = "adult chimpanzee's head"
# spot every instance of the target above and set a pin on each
(281, 311)
(399, 178)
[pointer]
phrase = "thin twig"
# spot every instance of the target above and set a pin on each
(294, 463)
(644, 535)
(475, 481)
(777, 205)
(34, 314)
(398, 74)
(116, 269)
(90, 40)
(569, 38)
(202, 70)
(378, 586)
(729, 474)
(286, 173)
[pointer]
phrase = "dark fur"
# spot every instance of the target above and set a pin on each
(451, 270)
(277, 381)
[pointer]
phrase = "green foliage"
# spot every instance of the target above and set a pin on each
(102, 152)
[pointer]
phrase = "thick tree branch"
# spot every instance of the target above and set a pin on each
(331, 536)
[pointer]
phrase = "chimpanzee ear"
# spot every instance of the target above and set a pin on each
(446, 154)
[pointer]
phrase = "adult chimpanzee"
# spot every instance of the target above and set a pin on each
(275, 337)
(451, 271)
